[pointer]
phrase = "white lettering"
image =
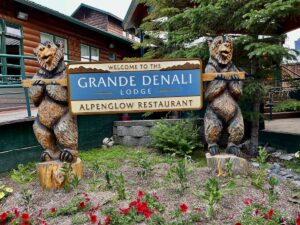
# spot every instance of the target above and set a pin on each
(146, 80)
(84, 84)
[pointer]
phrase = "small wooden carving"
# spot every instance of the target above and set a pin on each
(55, 128)
(222, 94)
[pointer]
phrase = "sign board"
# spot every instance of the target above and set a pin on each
(143, 86)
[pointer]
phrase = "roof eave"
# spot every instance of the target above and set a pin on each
(97, 10)
(130, 11)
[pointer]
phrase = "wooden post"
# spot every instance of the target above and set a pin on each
(51, 176)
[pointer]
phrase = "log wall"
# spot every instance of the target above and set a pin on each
(42, 22)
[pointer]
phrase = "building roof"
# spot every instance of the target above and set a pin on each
(129, 14)
(72, 20)
(82, 5)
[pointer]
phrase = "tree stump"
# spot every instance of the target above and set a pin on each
(52, 177)
(217, 163)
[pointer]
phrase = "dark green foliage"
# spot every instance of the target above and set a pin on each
(181, 172)
(72, 207)
(180, 28)
(116, 182)
(26, 196)
(259, 214)
(172, 27)
(71, 181)
(180, 137)
(108, 178)
(273, 182)
(145, 164)
(119, 185)
(24, 173)
(289, 105)
(212, 195)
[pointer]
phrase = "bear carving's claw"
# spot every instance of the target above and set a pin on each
(45, 157)
(220, 77)
(214, 150)
(234, 150)
(234, 77)
(66, 156)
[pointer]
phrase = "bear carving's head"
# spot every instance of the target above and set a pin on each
(49, 54)
(221, 49)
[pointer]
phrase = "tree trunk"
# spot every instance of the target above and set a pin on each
(255, 120)
(254, 129)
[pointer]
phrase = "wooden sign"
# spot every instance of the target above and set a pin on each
(140, 86)
(143, 86)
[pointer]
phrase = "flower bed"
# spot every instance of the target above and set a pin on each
(140, 186)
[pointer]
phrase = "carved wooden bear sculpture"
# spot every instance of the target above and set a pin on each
(54, 126)
(221, 94)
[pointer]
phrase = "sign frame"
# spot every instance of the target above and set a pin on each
(136, 61)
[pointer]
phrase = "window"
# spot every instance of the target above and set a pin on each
(11, 42)
(89, 53)
(112, 56)
(53, 38)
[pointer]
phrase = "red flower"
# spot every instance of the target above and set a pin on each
(16, 212)
(25, 223)
(3, 216)
(25, 216)
(256, 212)
(125, 211)
(141, 207)
(134, 203)
(238, 224)
(183, 207)
(298, 221)
(87, 199)
(140, 194)
(81, 205)
(147, 213)
(95, 209)
(53, 210)
(248, 201)
(271, 213)
(107, 220)
(93, 218)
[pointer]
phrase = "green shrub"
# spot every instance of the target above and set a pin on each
(24, 173)
(288, 105)
(180, 137)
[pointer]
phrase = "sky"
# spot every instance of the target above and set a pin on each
(119, 8)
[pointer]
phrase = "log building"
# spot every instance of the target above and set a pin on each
(89, 34)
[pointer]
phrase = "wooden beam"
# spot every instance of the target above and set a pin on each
(212, 76)
(64, 82)
(28, 83)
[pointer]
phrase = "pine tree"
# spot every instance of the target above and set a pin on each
(177, 28)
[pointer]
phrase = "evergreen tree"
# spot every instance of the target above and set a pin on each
(177, 28)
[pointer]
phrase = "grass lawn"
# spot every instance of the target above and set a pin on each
(142, 186)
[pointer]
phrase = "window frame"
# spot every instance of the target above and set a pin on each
(3, 60)
(90, 53)
(115, 56)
